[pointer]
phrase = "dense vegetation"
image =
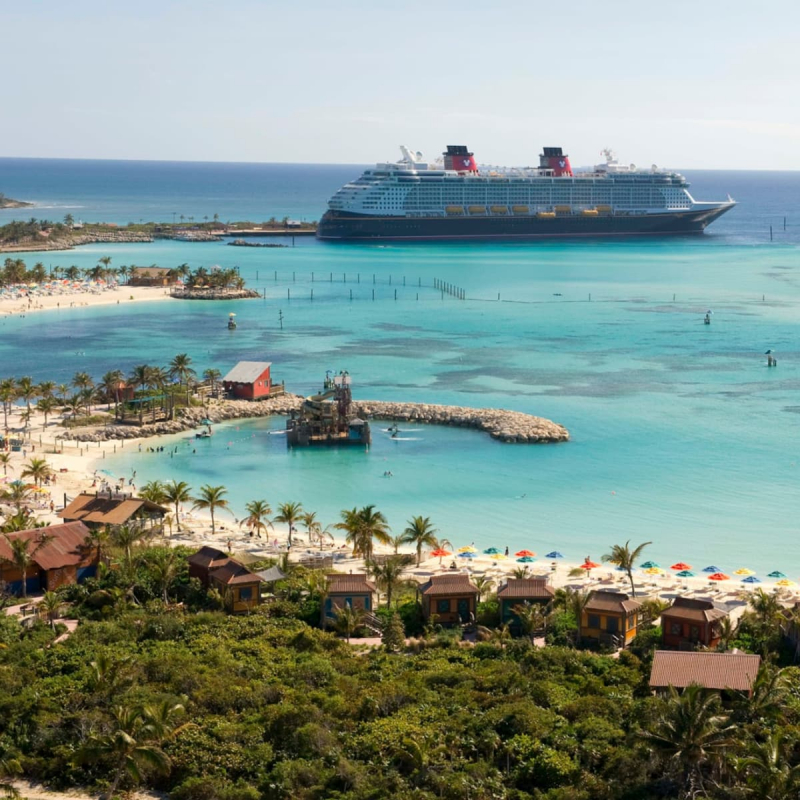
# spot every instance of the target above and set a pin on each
(159, 687)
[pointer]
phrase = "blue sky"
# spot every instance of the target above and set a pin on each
(682, 84)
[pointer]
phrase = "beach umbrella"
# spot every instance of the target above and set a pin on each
(524, 553)
(785, 582)
(587, 565)
(776, 574)
(440, 553)
(526, 560)
(491, 551)
(712, 569)
(751, 579)
(205, 421)
(744, 571)
(499, 557)
(654, 571)
(467, 549)
(554, 554)
(719, 576)
(466, 555)
(681, 566)
(649, 565)
(686, 573)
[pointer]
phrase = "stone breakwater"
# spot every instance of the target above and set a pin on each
(75, 240)
(507, 426)
(214, 294)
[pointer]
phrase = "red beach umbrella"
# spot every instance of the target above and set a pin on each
(524, 553)
(719, 576)
(440, 554)
(587, 565)
(680, 566)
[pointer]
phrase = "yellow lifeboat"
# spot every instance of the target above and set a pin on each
(456, 210)
(477, 209)
(589, 212)
(520, 209)
(499, 209)
(563, 209)
(604, 209)
(546, 214)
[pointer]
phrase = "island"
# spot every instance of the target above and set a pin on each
(9, 202)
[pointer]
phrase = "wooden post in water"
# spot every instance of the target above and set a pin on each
(395, 294)
(312, 277)
(276, 276)
(294, 278)
(288, 294)
(351, 294)
(770, 232)
(312, 294)
(373, 294)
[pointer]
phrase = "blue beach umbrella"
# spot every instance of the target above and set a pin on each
(554, 554)
(492, 551)
(685, 573)
(649, 565)
(467, 555)
(526, 560)
(712, 569)
(751, 579)
(776, 574)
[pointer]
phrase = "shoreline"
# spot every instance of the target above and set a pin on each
(25, 304)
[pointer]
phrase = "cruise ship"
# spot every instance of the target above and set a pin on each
(453, 198)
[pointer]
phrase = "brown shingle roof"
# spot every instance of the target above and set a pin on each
(232, 573)
(67, 547)
(151, 272)
(526, 587)
(339, 583)
(207, 557)
(612, 601)
(711, 670)
(105, 509)
(693, 610)
(449, 585)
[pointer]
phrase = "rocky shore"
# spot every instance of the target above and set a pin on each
(214, 294)
(71, 242)
(507, 426)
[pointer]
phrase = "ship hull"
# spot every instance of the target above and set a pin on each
(348, 226)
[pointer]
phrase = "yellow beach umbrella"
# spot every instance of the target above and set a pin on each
(744, 571)
(468, 549)
(785, 582)
(498, 557)
(654, 571)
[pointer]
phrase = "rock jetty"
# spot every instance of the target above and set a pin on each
(214, 294)
(507, 426)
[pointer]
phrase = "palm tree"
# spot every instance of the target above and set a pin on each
(180, 368)
(482, 583)
(177, 492)
(258, 512)
(38, 469)
(109, 385)
(163, 566)
(573, 601)
(5, 460)
(289, 514)
(388, 576)
(22, 554)
(347, 620)
(765, 606)
(82, 380)
(767, 770)
(211, 498)
(47, 388)
(363, 527)
(8, 393)
(126, 537)
(46, 406)
(155, 492)
(532, 618)
(50, 605)
(133, 742)
(625, 558)
(691, 732)
(27, 390)
(17, 493)
(106, 262)
(312, 525)
(420, 533)
(212, 376)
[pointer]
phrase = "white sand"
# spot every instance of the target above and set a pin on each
(67, 299)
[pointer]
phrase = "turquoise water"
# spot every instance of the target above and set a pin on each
(680, 433)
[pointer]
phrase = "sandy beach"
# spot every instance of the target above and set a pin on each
(24, 302)
(80, 467)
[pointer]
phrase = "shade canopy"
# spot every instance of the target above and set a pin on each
(719, 576)
(466, 555)
(499, 557)
(785, 582)
(744, 571)
(467, 549)
(681, 566)
(654, 571)
(686, 573)
(649, 565)
(711, 569)
(491, 551)
(751, 579)
(587, 565)
(524, 553)
(776, 574)
(526, 560)
(440, 553)
(554, 554)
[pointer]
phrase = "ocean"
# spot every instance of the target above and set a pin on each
(680, 433)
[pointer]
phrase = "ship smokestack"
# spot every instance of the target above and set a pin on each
(553, 158)
(458, 158)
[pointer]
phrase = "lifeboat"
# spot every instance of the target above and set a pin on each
(546, 214)
(589, 212)
(563, 209)
(454, 209)
(603, 209)
(499, 209)
(520, 209)
(477, 209)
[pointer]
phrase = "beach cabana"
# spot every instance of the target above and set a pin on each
(689, 622)
(240, 588)
(717, 671)
(519, 591)
(349, 590)
(106, 509)
(452, 599)
(60, 555)
(204, 561)
(610, 618)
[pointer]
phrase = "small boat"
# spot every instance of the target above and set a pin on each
(231, 322)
